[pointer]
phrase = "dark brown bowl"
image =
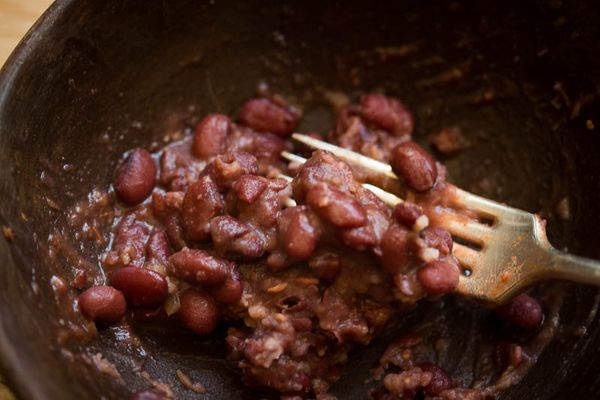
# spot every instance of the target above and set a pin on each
(119, 68)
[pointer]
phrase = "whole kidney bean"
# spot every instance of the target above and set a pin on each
(233, 237)
(268, 146)
(141, 287)
(523, 311)
(130, 241)
(438, 277)
(407, 213)
(440, 380)
(301, 237)
(438, 238)
(249, 187)
(199, 267)
(231, 291)
(265, 116)
(103, 304)
(168, 166)
(414, 165)
(335, 206)
(136, 177)
(198, 311)
(210, 135)
(201, 203)
(387, 113)
(228, 168)
(360, 238)
(150, 394)
(395, 250)
(158, 249)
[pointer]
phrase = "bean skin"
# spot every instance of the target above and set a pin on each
(336, 207)
(210, 135)
(438, 238)
(326, 265)
(415, 166)
(249, 187)
(130, 241)
(523, 312)
(395, 250)
(227, 168)
(231, 291)
(407, 213)
(387, 113)
(263, 115)
(158, 249)
(103, 304)
(201, 203)
(198, 311)
(136, 178)
(141, 287)
(438, 277)
(232, 237)
(301, 237)
(197, 267)
(440, 380)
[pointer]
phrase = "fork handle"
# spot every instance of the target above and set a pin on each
(574, 268)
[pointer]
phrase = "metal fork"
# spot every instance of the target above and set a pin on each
(502, 257)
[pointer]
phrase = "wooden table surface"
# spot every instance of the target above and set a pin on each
(16, 17)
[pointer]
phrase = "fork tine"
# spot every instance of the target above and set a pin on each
(349, 156)
(466, 257)
(482, 205)
(462, 227)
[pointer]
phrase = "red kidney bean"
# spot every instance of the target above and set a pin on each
(387, 113)
(438, 277)
(130, 241)
(438, 238)
(395, 250)
(249, 187)
(141, 287)
(168, 167)
(265, 116)
(268, 146)
(198, 311)
(440, 380)
(158, 249)
(228, 168)
(301, 237)
(523, 311)
(174, 231)
(231, 291)
(136, 177)
(414, 165)
(336, 207)
(199, 267)
(103, 304)
(210, 135)
(233, 237)
(326, 265)
(407, 213)
(150, 394)
(201, 203)
(360, 238)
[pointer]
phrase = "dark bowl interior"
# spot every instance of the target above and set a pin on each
(120, 69)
